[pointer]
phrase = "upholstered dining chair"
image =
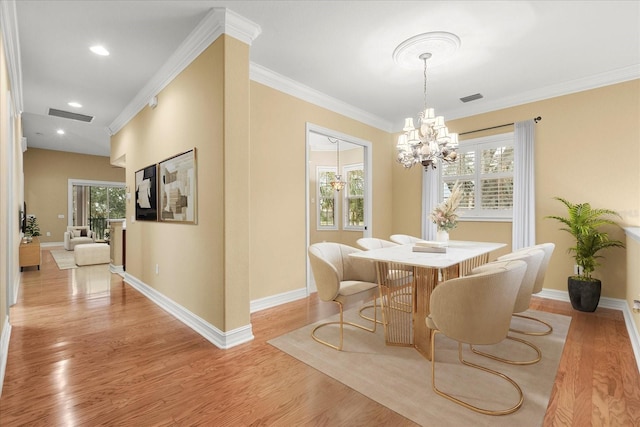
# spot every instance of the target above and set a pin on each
(533, 258)
(397, 298)
(537, 287)
(475, 309)
(368, 243)
(404, 239)
(340, 279)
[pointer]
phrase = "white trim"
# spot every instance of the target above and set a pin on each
(217, 22)
(47, 244)
(612, 303)
(9, 173)
(276, 300)
(4, 349)
(117, 269)
(633, 232)
(212, 334)
(276, 81)
(16, 289)
(10, 34)
(565, 88)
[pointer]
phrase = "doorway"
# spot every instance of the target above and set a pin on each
(344, 215)
(95, 203)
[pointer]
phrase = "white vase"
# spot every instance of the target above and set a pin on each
(442, 236)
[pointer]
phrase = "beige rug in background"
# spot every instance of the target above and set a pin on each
(65, 259)
(400, 378)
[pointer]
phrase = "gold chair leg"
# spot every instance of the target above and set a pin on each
(342, 323)
(473, 365)
(547, 332)
(509, 361)
(375, 314)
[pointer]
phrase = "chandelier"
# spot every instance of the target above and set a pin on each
(431, 141)
(337, 184)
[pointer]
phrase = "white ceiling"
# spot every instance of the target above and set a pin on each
(511, 51)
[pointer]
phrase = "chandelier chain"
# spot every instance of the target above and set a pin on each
(425, 83)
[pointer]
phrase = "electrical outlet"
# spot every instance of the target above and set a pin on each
(48, 234)
(157, 269)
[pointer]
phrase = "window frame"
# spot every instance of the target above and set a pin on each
(477, 145)
(319, 171)
(345, 198)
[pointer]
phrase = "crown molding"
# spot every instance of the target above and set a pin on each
(9, 25)
(578, 85)
(263, 75)
(217, 22)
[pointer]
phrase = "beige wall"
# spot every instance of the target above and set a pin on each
(46, 185)
(250, 240)
(328, 158)
(587, 150)
(278, 234)
(190, 258)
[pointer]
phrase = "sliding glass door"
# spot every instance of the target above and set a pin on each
(95, 203)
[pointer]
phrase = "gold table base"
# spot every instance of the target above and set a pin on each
(405, 293)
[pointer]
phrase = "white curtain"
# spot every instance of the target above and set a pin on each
(524, 202)
(430, 180)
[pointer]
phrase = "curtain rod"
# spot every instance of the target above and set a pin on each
(536, 120)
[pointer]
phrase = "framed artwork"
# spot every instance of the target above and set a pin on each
(146, 194)
(177, 179)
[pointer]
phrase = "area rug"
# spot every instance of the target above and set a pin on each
(400, 378)
(65, 259)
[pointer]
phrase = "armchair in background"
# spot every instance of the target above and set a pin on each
(77, 235)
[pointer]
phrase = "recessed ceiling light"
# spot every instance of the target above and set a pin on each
(74, 104)
(99, 50)
(60, 132)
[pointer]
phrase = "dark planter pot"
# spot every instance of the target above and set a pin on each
(584, 294)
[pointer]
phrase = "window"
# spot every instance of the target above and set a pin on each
(354, 197)
(93, 203)
(485, 167)
(326, 198)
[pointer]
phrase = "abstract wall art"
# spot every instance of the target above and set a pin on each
(177, 178)
(146, 200)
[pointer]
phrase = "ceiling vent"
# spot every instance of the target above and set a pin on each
(472, 97)
(70, 115)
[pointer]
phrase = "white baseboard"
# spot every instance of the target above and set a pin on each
(613, 303)
(217, 337)
(16, 289)
(47, 244)
(4, 349)
(117, 269)
(276, 300)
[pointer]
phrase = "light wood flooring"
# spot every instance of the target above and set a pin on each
(88, 350)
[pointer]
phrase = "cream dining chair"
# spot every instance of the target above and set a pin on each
(533, 258)
(475, 309)
(400, 296)
(368, 243)
(404, 239)
(537, 287)
(340, 279)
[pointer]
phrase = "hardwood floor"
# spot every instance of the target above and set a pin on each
(87, 349)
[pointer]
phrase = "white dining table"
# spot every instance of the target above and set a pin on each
(407, 278)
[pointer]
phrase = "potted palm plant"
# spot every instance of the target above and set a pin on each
(583, 223)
